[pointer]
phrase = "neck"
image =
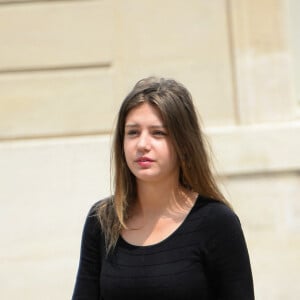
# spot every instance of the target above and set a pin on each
(161, 198)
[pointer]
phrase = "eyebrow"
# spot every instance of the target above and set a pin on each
(152, 126)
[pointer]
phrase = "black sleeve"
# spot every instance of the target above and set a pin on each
(228, 259)
(87, 286)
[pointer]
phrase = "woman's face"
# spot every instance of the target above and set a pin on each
(148, 149)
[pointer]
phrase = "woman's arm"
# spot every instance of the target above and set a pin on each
(228, 259)
(87, 286)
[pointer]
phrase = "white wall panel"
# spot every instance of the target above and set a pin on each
(256, 149)
(263, 203)
(49, 35)
(56, 103)
(261, 60)
(47, 188)
(189, 42)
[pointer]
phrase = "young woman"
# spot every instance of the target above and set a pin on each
(167, 232)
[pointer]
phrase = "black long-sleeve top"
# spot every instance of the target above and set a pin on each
(206, 258)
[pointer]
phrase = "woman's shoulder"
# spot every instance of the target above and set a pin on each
(92, 218)
(218, 222)
(217, 212)
(100, 204)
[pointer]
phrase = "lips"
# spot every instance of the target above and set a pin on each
(144, 159)
(144, 162)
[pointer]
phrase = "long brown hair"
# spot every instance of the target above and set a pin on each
(176, 107)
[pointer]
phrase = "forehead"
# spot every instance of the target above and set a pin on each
(143, 114)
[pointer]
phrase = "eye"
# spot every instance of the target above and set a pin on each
(159, 133)
(132, 132)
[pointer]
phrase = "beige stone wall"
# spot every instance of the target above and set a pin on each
(293, 9)
(65, 67)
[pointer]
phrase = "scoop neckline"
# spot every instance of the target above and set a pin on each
(170, 236)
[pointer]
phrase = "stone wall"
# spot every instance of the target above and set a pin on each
(65, 67)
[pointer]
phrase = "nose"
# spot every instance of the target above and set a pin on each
(144, 143)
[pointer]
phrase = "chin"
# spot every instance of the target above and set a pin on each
(148, 178)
